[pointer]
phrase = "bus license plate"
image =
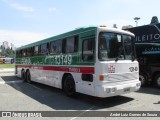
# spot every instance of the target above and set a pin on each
(126, 89)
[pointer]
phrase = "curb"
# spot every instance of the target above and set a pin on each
(5, 70)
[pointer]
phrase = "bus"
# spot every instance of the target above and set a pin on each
(148, 52)
(97, 61)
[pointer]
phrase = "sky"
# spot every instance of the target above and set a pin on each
(26, 21)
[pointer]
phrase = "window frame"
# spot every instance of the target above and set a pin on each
(55, 51)
(46, 49)
(91, 57)
(37, 52)
(75, 41)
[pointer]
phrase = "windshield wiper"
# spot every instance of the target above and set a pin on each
(133, 56)
(121, 49)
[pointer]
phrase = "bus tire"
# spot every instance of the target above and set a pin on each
(23, 76)
(69, 86)
(28, 77)
(143, 79)
(157, 80)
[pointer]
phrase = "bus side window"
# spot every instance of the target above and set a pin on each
(44, 49)
(20, 53)
(88, 47)
(32, 51)
(17, 53)
(48, 46)
(56, 47)
(24, 53)
(36, 50)
(28, 52)
(76, 38)
(71, 44)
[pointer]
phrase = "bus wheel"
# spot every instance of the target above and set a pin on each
(69, 86)
(143, 79)
(23, 76)
(28, 77)
(157, 80)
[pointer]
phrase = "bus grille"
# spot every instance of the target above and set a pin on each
(122, 77)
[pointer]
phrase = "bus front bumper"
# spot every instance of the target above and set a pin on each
(110, 90)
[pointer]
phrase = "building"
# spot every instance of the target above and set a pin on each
(12, 47)
(5, 45)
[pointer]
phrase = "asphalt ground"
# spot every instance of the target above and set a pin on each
(18, 96)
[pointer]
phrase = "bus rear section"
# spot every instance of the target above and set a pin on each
(117, 71)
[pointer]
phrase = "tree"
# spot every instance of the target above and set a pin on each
(9, 53)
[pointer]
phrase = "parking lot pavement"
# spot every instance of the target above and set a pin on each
(37, 97)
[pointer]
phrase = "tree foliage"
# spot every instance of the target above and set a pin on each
(8, 53)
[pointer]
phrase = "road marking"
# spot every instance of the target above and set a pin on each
(34, 86)
(10, 82)
(83, 113)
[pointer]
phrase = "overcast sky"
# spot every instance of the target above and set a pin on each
(26, 21)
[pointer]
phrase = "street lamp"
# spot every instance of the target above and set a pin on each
(136, 20)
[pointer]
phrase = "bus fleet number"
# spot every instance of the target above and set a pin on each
(59, 60)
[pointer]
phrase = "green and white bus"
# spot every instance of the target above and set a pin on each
(97, 61)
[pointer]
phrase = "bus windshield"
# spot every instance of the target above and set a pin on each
(115, 46)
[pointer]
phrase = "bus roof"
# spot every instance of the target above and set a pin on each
(115, 30)
(71, 33)
(147, 33)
